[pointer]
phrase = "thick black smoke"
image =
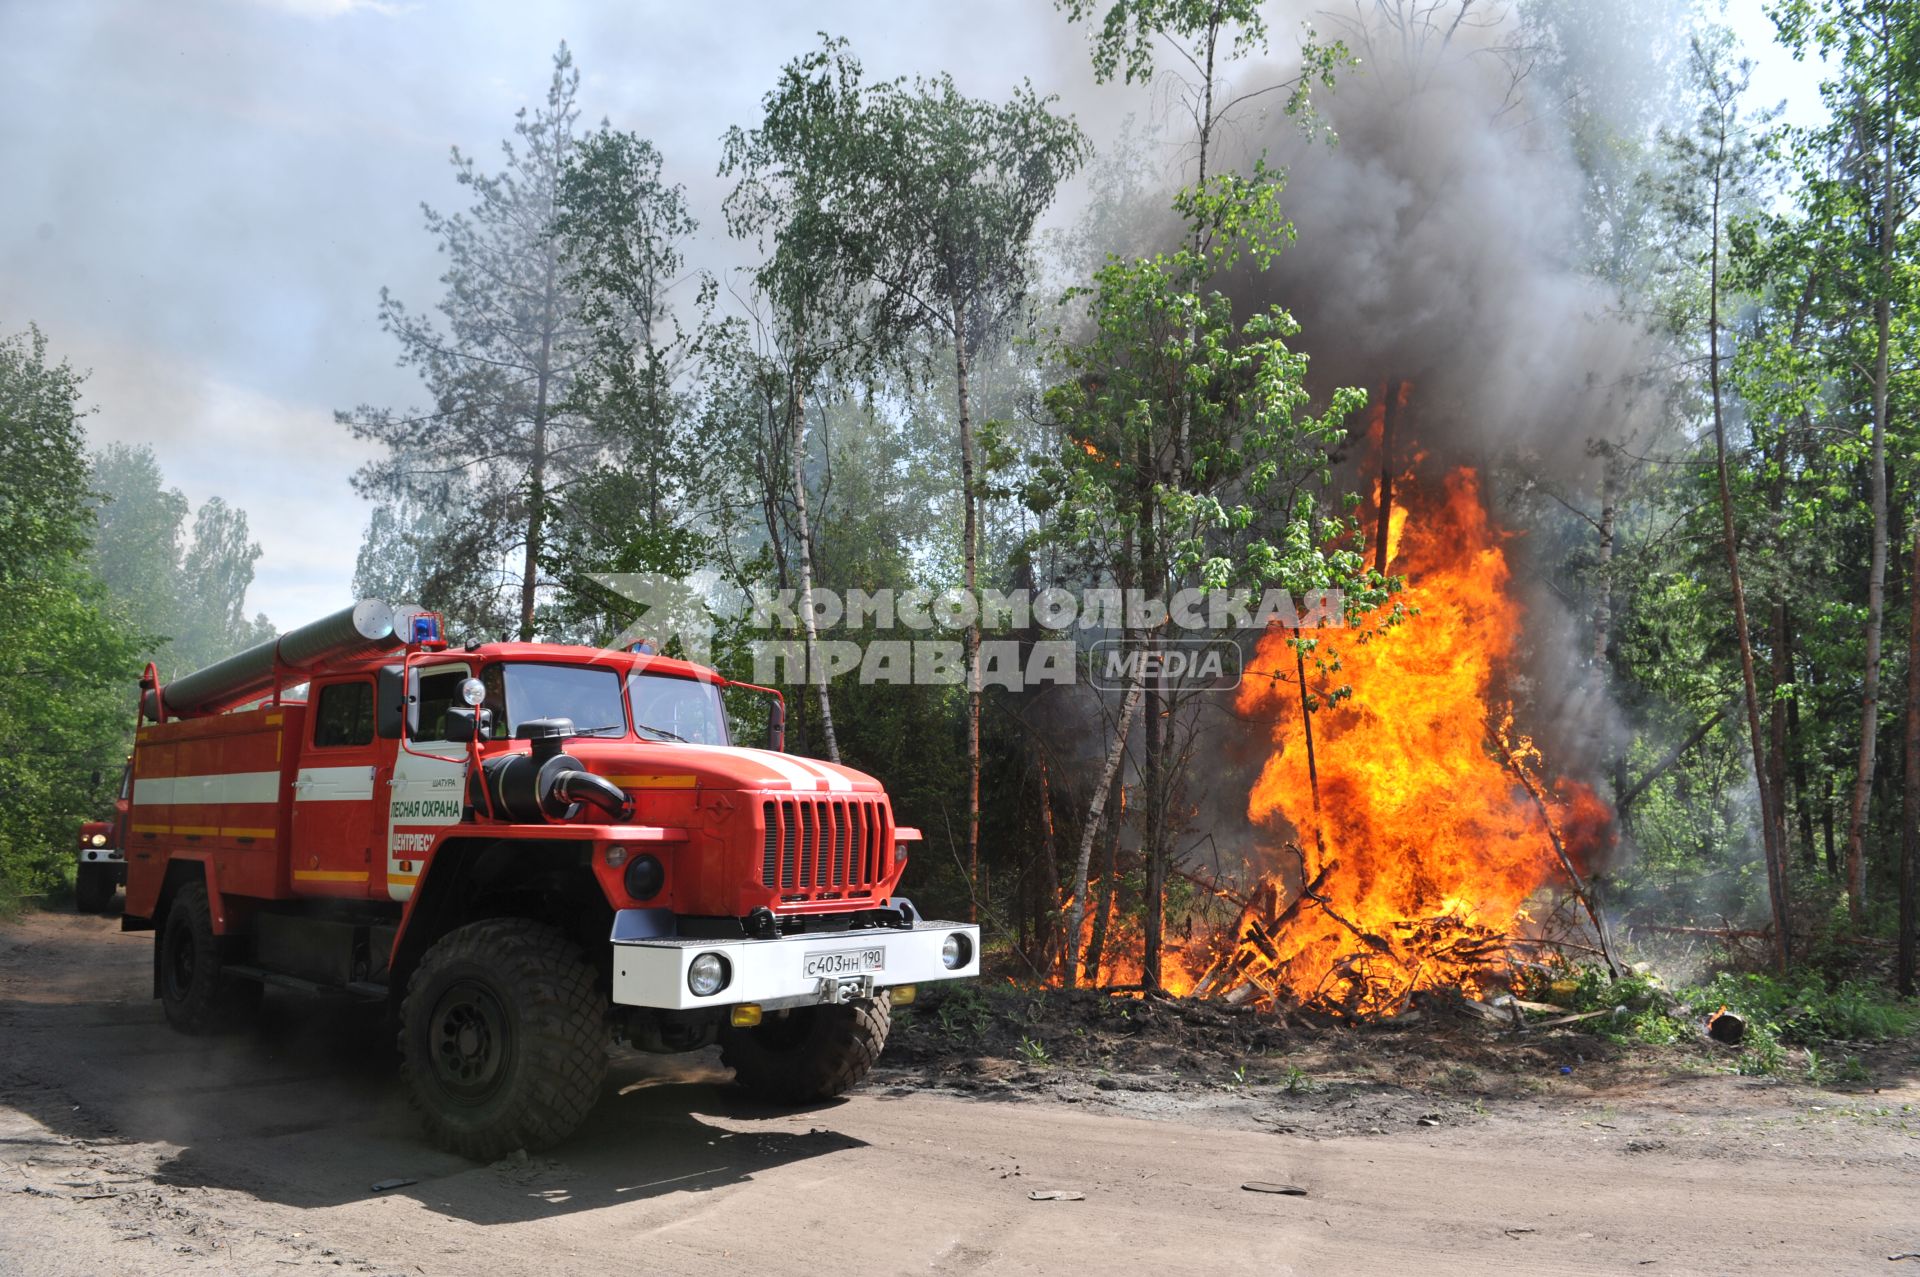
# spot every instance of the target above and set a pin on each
(1441, 241)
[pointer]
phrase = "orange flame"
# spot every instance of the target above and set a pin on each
(1438, 849)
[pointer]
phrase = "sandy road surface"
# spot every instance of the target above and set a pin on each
(125, 1148)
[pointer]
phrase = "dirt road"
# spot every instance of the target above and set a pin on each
(125, 1148)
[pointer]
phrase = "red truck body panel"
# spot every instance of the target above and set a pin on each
(276, 815)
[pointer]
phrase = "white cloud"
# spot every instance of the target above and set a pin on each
(286, 464)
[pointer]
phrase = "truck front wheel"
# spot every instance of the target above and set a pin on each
(503, 1038)
(809, 1053)
(93, 888)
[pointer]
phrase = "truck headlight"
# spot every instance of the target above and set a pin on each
(707, 975)
(956, 951)
(99, 840)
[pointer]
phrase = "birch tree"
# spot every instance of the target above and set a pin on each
(498, 366)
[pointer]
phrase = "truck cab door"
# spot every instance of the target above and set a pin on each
(429, 775)
(336, 822)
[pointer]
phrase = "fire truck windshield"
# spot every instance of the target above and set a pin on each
(518, 691)
(664, 707)
(679, 709)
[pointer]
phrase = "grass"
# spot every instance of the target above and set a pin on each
(1034, 1052)
(1297, 1081)
(1799, 1010)
(965, 1013)
(1802, 1009)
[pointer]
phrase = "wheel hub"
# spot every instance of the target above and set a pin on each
(469, 1039)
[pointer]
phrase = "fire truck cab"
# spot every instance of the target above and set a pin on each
(525, 850)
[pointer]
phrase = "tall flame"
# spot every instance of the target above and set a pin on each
(1434, 848)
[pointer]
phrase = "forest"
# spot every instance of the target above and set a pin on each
(1579, 376)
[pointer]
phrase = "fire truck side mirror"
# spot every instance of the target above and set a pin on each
(390, 701)
(777, 725)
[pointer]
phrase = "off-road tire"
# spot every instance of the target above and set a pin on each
(503, 1038)
(809, 1053)
(195, 993)
(94, 887)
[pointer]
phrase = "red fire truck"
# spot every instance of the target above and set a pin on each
(100, 864)
(526, 850)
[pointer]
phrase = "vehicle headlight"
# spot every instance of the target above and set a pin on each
(956, 951)
(645, 877)
(99, 840)
(707, 975)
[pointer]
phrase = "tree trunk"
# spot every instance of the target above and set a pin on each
(1050, 864)
(970, 537)
(1780, 671)
(1826, 829)
(1102, 792)
(1153, 914)
(1109, 876)
(1603, 588)
(537, 471)
(536, 512)
(1877, 569)
(1797, 750)
(1779, 676)
(1776, 867)
(1183, 438)
(1910, 792)
(816, 668)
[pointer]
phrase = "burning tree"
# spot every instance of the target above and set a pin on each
(1168, 371)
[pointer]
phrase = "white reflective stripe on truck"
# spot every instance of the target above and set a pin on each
(333, 784)
(221, 787)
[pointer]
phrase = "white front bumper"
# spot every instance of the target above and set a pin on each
(653, 972)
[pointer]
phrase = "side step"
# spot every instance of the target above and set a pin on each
(366, 990)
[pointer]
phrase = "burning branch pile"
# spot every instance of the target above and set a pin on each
(1427, 839)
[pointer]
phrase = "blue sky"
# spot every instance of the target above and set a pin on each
(205, 196)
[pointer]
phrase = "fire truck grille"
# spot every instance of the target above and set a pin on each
(825, 848)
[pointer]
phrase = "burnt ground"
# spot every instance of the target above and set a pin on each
(1309, 1076)
(1445, 1146)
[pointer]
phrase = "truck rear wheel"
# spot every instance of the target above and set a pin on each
(93, 888)
(503, 1038)
(196, 994)
(809, 1053)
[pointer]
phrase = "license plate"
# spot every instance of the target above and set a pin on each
(845, 962)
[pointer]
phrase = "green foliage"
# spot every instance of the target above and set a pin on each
(1206, 34)
(1801, 1008)
(1641, 1005)
(1169, 375)
(68, 656)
